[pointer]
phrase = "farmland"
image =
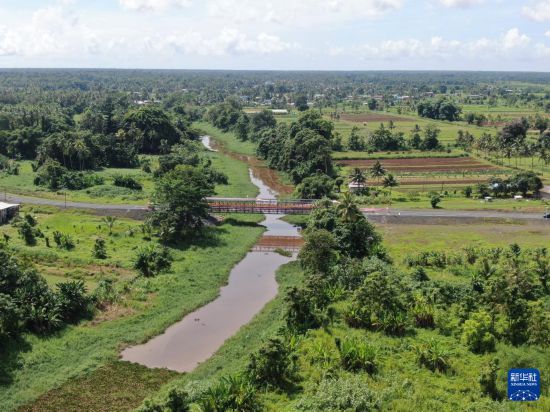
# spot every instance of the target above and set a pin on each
(357, 315)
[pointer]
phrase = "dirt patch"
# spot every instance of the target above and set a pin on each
(111, 312)
(372, 117)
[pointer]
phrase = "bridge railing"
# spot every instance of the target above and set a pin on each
(265, 206)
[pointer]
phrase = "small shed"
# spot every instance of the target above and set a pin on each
(7, 211)
(355, 187)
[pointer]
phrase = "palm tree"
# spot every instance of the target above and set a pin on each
(82, 151)
(390, 181)
(348, 208)
(377, 171)
(358, 176)
(110, 222)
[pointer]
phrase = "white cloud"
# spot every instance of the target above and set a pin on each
(290, 12)
(228, 42)
(538, 11)
(547, 34)
(460, 3)
(153, 5)
(512, 44)
(513, 38)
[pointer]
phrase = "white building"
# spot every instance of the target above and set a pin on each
(7, 211)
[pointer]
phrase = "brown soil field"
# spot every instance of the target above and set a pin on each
(372, 117)
(447, 165)
(420, 182)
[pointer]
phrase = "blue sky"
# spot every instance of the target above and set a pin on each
(283, 34)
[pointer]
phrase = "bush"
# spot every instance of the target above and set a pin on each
(273, 365)
(105, 293)
(435, 201)
(152, 260)
(127, 181)
(176, 401)
(342, 394)
(233, 393)
(28, 233)
(357, 355)
(63, 241)
(432, 355)
(488, 380)
(73, 302)
(99, 251)
(9, 317)
(477, 333)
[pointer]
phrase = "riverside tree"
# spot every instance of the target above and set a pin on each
(180, 202)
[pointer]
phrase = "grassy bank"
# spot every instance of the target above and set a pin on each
(37, 364)
(237, 173)
(229, 139)
(234, 355)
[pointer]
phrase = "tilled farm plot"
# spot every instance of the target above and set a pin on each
(456, 171)
(425, 165)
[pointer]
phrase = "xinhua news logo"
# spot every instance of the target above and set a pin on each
(523, 385)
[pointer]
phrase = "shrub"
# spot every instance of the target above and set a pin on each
(127, 181)
(28, 233)
(477, 333)
(63, 241)
(72, 300)
(99, 251)
(273, 365)
(233, 393)
(152, 260)
(105, 293)
(468, 191)
(350, 393)
(435, 201)
(432, 355)
(423, 313)
(9, 317)
(176, 401)
(419, 274)
(488, 380)
(357, 355)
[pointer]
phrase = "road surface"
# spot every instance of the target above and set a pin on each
(394, 214)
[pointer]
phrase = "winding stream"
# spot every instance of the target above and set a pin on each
(252, 284)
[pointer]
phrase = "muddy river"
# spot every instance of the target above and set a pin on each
(200, 334)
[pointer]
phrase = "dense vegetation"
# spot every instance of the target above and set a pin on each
(330, 354)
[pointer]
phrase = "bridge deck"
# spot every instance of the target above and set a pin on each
(260, 206)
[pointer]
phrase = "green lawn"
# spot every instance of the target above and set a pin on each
(44, 363)
(237, 172)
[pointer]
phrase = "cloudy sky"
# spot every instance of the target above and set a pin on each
(282, 34)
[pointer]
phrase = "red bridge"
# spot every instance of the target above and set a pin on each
(263, 206)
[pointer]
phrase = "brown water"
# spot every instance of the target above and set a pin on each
(200, 334)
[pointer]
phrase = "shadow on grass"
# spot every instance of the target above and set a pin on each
(10, 352)
(240, 223)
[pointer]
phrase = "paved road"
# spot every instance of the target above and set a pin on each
(428, 213)
(376, 213)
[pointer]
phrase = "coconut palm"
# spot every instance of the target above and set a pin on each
(389, 182)
(377, 171)
(358, 176)
(348, 208)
